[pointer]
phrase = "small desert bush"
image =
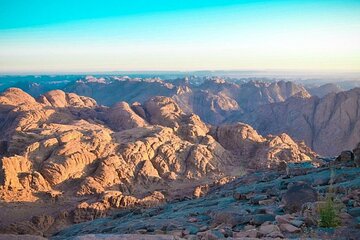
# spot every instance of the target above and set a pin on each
(329, 213)
(329, 210)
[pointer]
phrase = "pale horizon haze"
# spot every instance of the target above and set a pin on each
(108, 35)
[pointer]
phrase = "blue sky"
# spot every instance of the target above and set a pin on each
(108, 35)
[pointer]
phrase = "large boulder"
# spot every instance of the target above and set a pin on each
(345, 156)
(297, 195)
(356, 153)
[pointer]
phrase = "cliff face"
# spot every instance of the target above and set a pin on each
(328, 125)
(64, 150)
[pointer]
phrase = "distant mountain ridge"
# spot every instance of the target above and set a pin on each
(328, 125)
(325, 89)
(213, 100)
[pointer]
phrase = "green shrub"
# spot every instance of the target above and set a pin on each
(329, 213)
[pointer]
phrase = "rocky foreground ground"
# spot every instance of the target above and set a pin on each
(267, 204)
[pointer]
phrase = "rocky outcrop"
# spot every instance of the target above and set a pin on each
(36, 226)
(349, 157)
(245, 142)
(163, 111)
(121, 117)
(60, 99)
(114, 199)
(330, 121)
(356, 153)
(15, 96)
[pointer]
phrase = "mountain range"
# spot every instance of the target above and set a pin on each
(317, 115)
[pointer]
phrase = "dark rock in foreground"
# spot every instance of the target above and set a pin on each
(297, 195)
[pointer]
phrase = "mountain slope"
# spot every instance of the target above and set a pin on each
(325, 89)
(328, 125)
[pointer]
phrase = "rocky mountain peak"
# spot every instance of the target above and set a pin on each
(60, 99)
(163, 111)
(15, 97)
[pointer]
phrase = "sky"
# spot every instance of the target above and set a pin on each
(114, 35)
